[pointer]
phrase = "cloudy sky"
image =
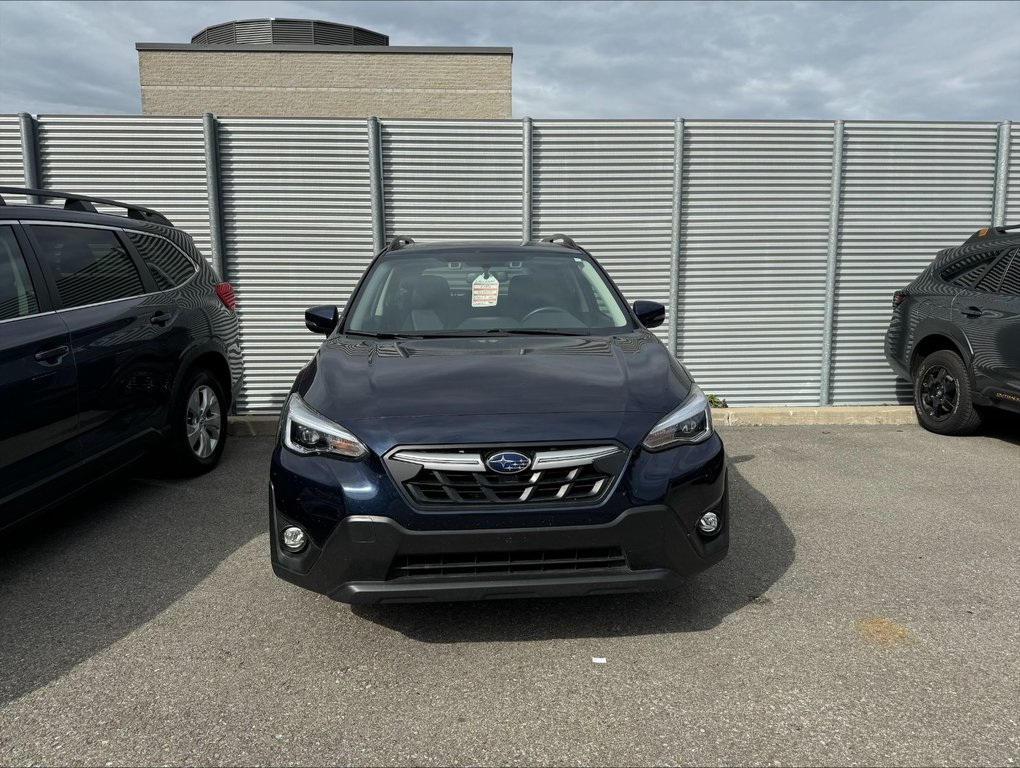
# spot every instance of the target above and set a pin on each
(867, 60)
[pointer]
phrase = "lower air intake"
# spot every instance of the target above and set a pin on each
(495, 563)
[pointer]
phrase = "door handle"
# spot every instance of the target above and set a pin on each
(52, 356)
(972, 312)
(161, 318)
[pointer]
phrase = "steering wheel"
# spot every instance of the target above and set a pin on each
(534, 312)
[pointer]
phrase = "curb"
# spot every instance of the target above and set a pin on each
(848, 415)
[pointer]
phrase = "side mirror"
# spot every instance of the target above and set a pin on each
(651, 314)
(322, 319)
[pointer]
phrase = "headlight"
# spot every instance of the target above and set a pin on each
(690, 423)
(308, 432)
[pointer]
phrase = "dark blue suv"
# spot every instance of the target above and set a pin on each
(493, 420)
(115, 337)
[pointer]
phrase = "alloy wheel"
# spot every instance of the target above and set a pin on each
(940, 394)
(204, 421)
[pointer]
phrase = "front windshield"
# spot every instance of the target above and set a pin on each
(472, 294)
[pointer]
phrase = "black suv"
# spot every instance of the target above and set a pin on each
(115, 336)
(955, 332)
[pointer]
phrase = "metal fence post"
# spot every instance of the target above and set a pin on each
(526, 173)
(375, 173)
(1001, 175)
(831, 263)
(30, 154)
(212, 186)
(674, 246)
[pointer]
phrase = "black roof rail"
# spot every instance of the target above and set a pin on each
(84, 203)
(993, 231)
(399, 242)
(561, 239)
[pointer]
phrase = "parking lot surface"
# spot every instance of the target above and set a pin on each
(866, 614)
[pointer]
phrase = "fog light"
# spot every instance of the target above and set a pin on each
(294, 539)
(708, 523)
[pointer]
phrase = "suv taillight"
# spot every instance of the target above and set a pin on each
(898, 298)
(226, 293)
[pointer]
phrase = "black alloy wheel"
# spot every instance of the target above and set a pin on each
(942, 396)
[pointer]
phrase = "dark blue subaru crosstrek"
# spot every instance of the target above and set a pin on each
(493, 420)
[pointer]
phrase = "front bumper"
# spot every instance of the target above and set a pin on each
(360, 529)
(357, 559)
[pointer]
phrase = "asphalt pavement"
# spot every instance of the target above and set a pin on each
(867, 614)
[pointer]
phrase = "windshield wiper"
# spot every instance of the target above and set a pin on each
(383, 335)
(467, 334)
(538, 332)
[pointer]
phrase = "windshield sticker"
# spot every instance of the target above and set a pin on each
(484, 291)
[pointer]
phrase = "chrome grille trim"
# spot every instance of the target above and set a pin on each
(572, 457)
(472, 462)
(445, 462)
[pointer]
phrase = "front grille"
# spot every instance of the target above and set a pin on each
(540, 475)
(430, 486)
(488, 563)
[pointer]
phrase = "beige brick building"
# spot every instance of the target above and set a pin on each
(312, 79)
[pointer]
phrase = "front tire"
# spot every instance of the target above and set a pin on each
(199, 428)
(942, 395)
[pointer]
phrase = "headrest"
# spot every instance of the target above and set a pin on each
(429, 292)
(524, 285)
(528, 292)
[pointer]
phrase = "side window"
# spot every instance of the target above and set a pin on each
(1011, 280)
(17, 296)
(169, 267)
(969, 270)
(991, 279)
(89, 266)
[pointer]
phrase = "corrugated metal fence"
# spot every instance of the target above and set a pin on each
(12, 167)
(1012, 205)
(776, 245)
(753, 235)
(297, 231)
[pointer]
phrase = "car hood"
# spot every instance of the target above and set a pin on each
(356, 379)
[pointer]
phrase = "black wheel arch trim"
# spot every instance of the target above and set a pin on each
(193, 353)
(932, 327)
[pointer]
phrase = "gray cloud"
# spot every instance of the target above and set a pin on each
(854, 60)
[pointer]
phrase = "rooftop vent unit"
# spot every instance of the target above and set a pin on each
(287, 32)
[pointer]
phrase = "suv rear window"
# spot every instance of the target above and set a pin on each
(89, 266)
(168, 266)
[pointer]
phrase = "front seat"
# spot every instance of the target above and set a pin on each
(526, 293)
(430, 299)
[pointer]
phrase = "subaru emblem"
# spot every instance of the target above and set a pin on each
(508, 462)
